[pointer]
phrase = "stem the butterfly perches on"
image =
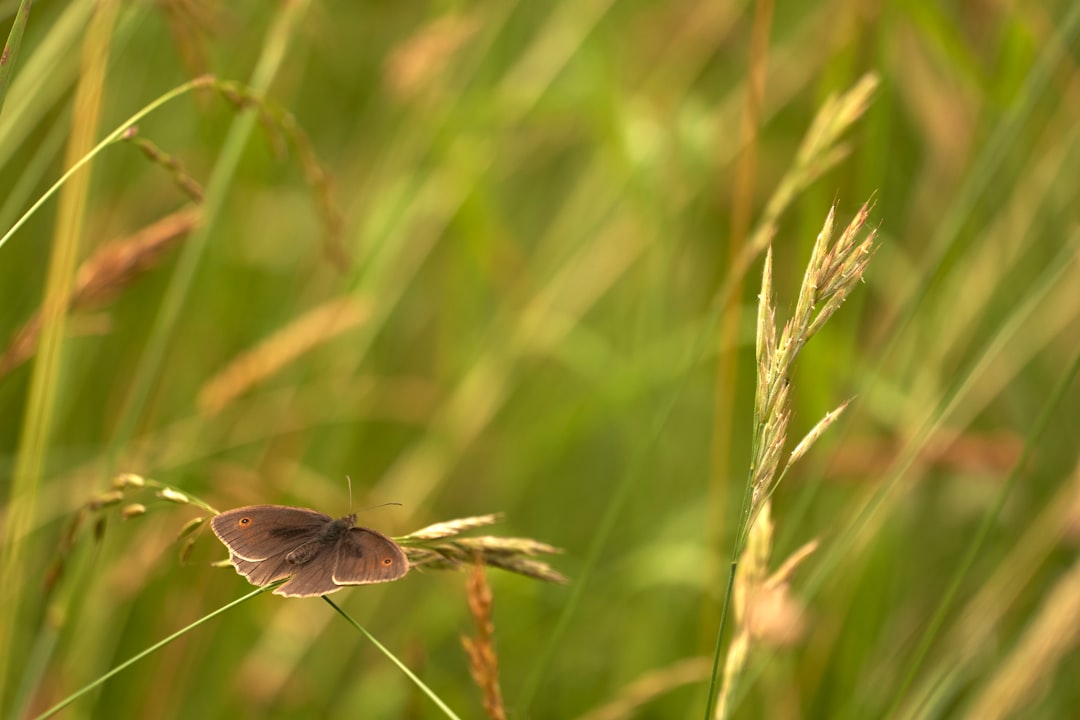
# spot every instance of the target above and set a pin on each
(269, 542)
(437, 546)
(440, 546)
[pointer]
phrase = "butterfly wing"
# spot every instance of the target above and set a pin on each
(314, 578)
(258, 532)
(366, 556)
(271, 542)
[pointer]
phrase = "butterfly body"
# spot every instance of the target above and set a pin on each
(317, 553)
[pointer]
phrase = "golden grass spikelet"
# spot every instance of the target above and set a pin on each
(773, 616)
(766, 327)
(174, 496)
(831, 274)
(453, 527)
(122, 487)
(483, 661)
(765, 611)
(126, 480)
(105, 274)
(753, 564)
(314, 328)
(132, 510)
(817, 431)
(105, 499)
(752, 567)
(190, 526)
(431, 547)
(737, 653)
(156, 155)
(819, 151)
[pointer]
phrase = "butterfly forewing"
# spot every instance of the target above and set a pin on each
(258, 532)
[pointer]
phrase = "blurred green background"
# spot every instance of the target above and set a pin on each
(538, 203)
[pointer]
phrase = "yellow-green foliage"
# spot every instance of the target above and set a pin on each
(502, 263)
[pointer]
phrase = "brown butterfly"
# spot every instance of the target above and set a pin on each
(270, 542)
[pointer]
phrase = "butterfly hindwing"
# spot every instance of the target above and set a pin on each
(367, 556)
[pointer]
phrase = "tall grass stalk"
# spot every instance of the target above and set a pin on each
(443, 707)
(9, 56)
(741, 215)
(552, 218)
(38, 414)
(834, 269)
(217, 187)
(115, 136)
(434, 547)
(100, 680)
(821, 148)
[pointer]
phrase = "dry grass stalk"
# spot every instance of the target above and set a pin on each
(106, 274)
(156, 155)
(483, 662)
(267, 358)
(96, 508)
(437, 547)
(283, 131)
(191, 22)
(1024, 675)
(114, 267)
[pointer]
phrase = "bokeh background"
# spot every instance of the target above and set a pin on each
(479, 257)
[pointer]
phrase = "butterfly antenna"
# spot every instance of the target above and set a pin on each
(373, 507)
(349, 480)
